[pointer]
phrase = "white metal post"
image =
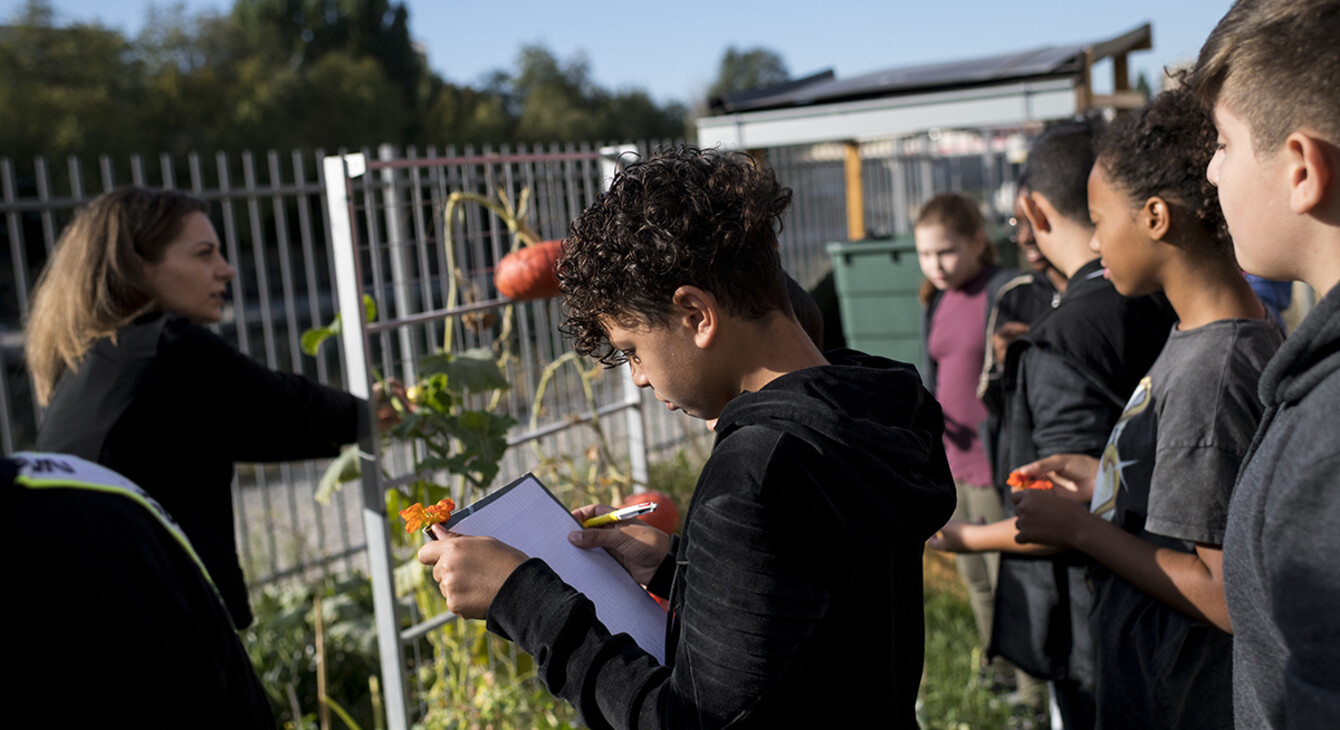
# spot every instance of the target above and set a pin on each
(339, 171)
(401, 281)
(611, 161)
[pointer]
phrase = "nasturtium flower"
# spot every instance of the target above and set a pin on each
(1019, 482)
(416, 516)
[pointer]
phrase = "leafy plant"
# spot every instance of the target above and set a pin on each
(283, 647)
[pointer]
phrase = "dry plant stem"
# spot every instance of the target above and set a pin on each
(516, 224)
(323, 713)
(589, 393)
(515, 219)
(375, 689)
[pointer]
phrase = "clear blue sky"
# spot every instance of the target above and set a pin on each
(672, 50)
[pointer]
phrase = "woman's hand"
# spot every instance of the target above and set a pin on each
(390, 401)
(469, 570)
(639, 547)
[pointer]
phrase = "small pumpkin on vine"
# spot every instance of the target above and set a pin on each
(530, 272)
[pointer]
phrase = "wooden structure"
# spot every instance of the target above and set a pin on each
(1003, 91)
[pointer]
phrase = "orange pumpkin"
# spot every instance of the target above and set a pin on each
(529, 272)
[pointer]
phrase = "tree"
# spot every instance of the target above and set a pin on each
(558, 101)
(755, 68)
(72, 90)
(285, 74)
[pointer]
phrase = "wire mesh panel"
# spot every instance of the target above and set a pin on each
(417, 242)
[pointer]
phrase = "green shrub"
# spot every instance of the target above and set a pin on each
(282, 645)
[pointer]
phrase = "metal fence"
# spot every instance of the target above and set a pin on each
(271, 213)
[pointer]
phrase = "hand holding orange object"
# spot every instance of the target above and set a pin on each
(1019, 481)
(416, 516)
(1071, 475)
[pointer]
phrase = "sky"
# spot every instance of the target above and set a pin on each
(672, 50)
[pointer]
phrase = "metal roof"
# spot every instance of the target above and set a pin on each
(1034, 63)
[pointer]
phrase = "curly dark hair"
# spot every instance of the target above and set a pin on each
(684, 216)
(1163, 149)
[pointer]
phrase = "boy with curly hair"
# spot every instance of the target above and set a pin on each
(1271, 73)
(795, 591)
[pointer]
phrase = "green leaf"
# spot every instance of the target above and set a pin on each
(345, 468)
(311, 339)
(435, 394)
(473, 371)
(483, 438)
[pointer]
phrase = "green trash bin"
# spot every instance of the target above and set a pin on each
(877, 284)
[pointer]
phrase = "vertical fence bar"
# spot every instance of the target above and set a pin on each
(19, 263)
(402, 286)
(43, 179)
(634, 421)
(76, 179)
(338, 172)
(105, 172)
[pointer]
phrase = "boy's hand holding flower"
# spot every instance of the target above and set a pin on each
(417, 516)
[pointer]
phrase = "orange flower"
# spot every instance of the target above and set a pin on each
(416, 516)
(1018, 482)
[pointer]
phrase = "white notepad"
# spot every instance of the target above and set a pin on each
(527, 516)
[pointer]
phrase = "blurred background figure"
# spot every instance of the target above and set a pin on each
(101, 577)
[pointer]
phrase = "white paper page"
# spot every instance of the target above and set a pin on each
(530, 520)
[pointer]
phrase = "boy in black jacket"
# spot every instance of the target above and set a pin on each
(795, 592)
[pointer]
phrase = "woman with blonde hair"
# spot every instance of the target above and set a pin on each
(133, 380)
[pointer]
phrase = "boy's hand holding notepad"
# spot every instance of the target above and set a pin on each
(527, 517)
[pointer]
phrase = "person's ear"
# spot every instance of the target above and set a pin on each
(1310, 171)
(699, 313)
(1156, 218)
(1037, 217)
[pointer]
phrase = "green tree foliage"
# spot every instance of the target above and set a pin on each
(73, 89)
(558, 100)
(755, 68)
(283, 74)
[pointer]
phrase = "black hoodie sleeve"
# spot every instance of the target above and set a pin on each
(754, 594)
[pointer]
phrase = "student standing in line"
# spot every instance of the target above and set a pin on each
(1269, 71)
(1160, 499)
(1021, 301)
(961, 283)
(1064, 387)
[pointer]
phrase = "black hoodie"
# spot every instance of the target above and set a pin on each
(1280, 571)
(795, 592)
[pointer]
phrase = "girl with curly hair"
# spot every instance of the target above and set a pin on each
(1158, 497)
